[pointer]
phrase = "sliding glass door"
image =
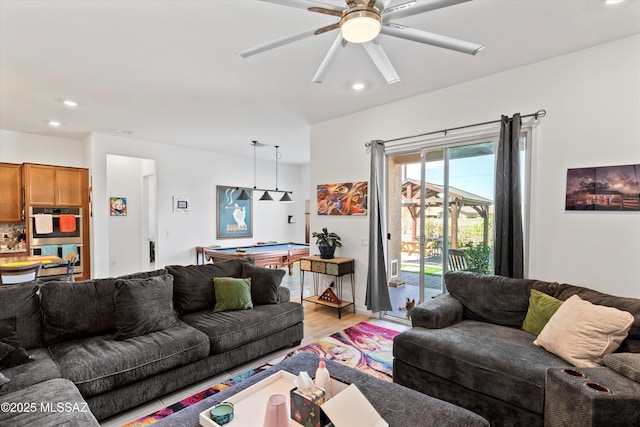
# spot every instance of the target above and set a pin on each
(440, 216)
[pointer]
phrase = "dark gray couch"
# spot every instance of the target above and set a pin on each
(73, 333)
(466, 347)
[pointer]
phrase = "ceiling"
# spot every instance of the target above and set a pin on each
(168, 71)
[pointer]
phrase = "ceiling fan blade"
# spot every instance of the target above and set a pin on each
(327, 28)
(277, 43)
(432, 39)
(326, 11)
(413, 8)
(381, 60)
(308, 5)
(338, 43)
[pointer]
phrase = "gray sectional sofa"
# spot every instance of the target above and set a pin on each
(107, 345)
(467, 347)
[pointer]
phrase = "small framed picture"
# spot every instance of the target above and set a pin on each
(181, 204)
(118, 206)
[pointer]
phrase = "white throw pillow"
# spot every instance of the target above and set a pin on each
(582, 333)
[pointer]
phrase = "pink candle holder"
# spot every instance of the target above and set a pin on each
(277, 414)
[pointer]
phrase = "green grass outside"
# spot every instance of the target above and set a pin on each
(415, 268)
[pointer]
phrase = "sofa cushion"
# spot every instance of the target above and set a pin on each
(58, 404)
(627, 364)
(494, 360)
(82, 309)
(232, 293)
(99, 364)
(144, 306)
(494, 299)
(41, 368)
(12, 353)
(582, 333)
(541, 308)
(264, 283)
(20, 304)
(231, 329)
(193, 284)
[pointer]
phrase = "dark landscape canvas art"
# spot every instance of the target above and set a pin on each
(609, 188)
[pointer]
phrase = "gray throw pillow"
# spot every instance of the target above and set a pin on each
(12, 353)
(264, 283)
(627, 364)
(493, 299)
(144, 306)
(193, 284)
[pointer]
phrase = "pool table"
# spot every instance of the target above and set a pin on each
(268, 254)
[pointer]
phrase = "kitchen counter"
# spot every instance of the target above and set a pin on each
(47, 261)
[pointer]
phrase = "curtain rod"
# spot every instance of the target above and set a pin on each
(536, 115)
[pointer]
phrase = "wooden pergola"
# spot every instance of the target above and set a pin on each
(411, 193)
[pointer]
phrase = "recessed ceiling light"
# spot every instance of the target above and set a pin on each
(54, 123)
(612, 2)
(357, 86)
(70, 103)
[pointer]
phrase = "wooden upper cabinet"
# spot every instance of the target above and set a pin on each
(10, 193)
(55, 185)
(69, 186)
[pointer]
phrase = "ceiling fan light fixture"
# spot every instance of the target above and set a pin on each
(360, 25)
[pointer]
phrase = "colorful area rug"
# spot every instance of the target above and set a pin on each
(365, 347)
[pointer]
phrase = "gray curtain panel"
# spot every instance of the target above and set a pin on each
(508, 259)
(377, 298)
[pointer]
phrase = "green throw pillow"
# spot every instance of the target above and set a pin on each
(232, 293)
(541, 308)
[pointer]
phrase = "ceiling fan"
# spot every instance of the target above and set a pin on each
(361, 22)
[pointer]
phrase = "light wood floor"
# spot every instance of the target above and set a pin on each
(319, 322)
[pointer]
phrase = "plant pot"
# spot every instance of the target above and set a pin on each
(326, 250)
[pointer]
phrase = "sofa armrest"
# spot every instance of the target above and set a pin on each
(590, 397)
(284, 294)
(437, 313)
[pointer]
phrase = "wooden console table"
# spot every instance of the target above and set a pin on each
(337, 267)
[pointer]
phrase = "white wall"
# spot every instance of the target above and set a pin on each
(124, 179)
(19, 147)
(592, 98)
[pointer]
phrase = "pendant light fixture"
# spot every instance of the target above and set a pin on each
(266, 197)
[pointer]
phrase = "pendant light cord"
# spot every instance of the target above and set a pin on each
(277, 167)
(254, 164)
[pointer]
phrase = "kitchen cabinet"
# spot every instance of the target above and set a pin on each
(55, 185)
(11, 203)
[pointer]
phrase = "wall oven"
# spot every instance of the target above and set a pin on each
(55, 231)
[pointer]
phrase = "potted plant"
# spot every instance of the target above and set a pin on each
(327, 243)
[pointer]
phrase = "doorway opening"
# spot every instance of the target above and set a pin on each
(132, 237)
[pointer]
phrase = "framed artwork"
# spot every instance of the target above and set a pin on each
(118, 206)
(235, 217)
(607, 188)
(181, 204)
(347, 198)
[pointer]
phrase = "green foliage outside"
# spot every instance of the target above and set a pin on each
(478, 257)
